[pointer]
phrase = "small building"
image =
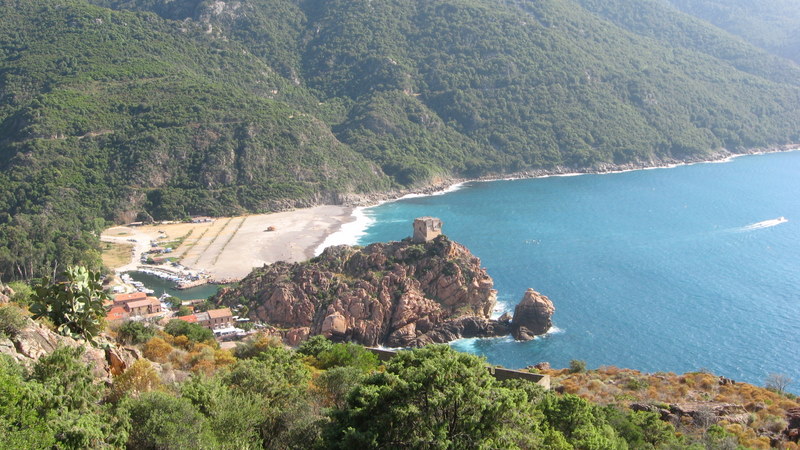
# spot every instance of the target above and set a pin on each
(220, 318)
(212, 319)
(137, 308)
(150, 305)
(426, 229)
(122, 299)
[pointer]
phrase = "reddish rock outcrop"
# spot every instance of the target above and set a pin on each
(398, 294)
(532, 316)
(5, 293)
(35, 341)
(792, 431)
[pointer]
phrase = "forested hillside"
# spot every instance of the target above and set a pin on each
(119, 109)
(772, 25)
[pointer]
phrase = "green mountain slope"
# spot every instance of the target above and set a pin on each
(772, 25)
(106, 114)
(169, 108)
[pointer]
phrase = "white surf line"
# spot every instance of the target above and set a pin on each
(349, 233)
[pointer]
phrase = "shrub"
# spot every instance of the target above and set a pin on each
(133, 332)
(22, 292)
(157, 349)
(139, 378)
(12, 320)
(637, 384)
(193, 331)
(577, 366)
(256, 345)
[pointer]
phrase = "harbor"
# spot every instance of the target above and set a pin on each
(162, 285)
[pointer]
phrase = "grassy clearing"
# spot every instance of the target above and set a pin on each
(116, 254)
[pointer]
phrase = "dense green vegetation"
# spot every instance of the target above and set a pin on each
(277, 398)
(770, 25)
(113, 109)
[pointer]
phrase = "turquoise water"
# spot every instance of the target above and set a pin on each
(160, 285)
(669, 270)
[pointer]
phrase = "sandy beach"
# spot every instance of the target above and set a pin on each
(228, 248)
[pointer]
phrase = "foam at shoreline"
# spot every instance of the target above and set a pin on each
(452, 188)
(349, 233)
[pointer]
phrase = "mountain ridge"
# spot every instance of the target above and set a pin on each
(220, 108)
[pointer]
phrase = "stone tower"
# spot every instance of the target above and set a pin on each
(426, 229)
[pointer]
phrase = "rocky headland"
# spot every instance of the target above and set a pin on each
(396, 294)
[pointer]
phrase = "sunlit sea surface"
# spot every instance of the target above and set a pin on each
(674, 270)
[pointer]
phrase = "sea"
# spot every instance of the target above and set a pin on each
(693, 267)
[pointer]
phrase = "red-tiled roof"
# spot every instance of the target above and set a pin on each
(191, 318)
(116, 313)
(119, 298)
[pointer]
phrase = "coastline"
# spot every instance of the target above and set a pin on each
(349, 235)
(446, 185)
(229, 248)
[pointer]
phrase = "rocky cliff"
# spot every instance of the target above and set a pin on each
(33, 340)
(399, 294)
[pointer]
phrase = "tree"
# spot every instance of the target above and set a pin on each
(174, 302)
(158, 420)
(281, 379)
(577, 366)
(347, 355)
(778, 382)
(335, 384)
(255, 345)
(74, 305)
(234, 417)
(582, 423)
(20, 409)
(435, 397)
(70, 401)
(314, 345)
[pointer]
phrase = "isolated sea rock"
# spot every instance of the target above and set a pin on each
(532, 316)
(398, 293)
